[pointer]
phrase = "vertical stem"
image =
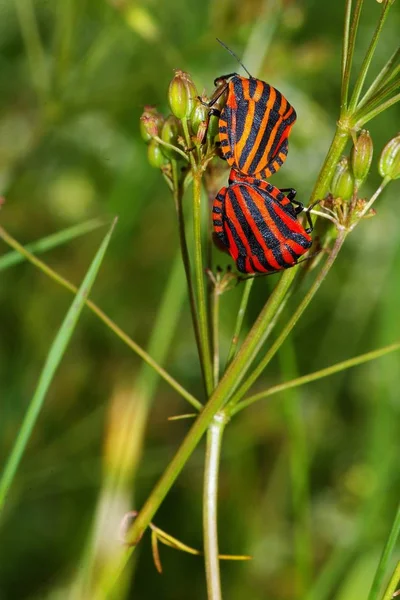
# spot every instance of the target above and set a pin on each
(349, 49)
(215, 333)
(346, 34)
(178, 193)
(324, 179)
(200, 288)
(239, 319)
(368, 58)
(210, 506)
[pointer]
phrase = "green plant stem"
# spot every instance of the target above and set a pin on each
(239, 319)
(171, 147)
(348, 47)
(364, 116)
(393, 583)
(385, 558)
(252, 378)
(103, 317)
(215, 332)
(385, 75)
(345, 49)
(210, 506)
(49, 369)
(378, 192)
(304, 379)
(233, 374)
(368, 58)
(205, 356)
(336, 149)
(178, 200)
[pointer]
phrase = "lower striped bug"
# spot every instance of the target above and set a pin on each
(256, 223)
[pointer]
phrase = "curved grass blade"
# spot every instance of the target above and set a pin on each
(54, 357)
(49, 242)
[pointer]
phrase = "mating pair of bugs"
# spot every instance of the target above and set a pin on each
(255, 222)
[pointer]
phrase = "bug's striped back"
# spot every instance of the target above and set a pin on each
(258, 226)
(254, 127)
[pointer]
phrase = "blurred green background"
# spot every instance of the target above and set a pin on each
(74, 77)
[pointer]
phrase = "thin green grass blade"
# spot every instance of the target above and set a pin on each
(54, 357)
(49, 242)
(346, 364)
(383, 565)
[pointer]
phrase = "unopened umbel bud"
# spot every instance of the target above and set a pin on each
(150, 123)
(155, 156)
(389, 162)
(182, 94)
(342, 185)
(361, 157)
(169, 134)
(198, 116)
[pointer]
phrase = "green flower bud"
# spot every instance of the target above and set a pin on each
(342, 185)
(389, 162)
(155, 156)
(182, 94)
(361, 157)
(198, 116)
(170, 133)
(150, 123)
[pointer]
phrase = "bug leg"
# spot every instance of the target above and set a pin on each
(291, 194)
(308, 214)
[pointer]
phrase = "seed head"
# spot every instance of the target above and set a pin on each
(170, 133)
(342, 185)
(361, 157)
(155, 156)
(150, 123)
(198, 116)
(389, 162)
(182, 94)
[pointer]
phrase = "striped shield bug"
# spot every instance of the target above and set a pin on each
(254, 124)
(256, 223)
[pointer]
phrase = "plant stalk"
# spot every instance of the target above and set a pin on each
(205, 356)
(210, 506)
(368, 58)
(232, 376)
(239, 319)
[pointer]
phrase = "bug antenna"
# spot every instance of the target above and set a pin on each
(234, 55)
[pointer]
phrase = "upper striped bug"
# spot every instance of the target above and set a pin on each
(256, 223)
(254, 124)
